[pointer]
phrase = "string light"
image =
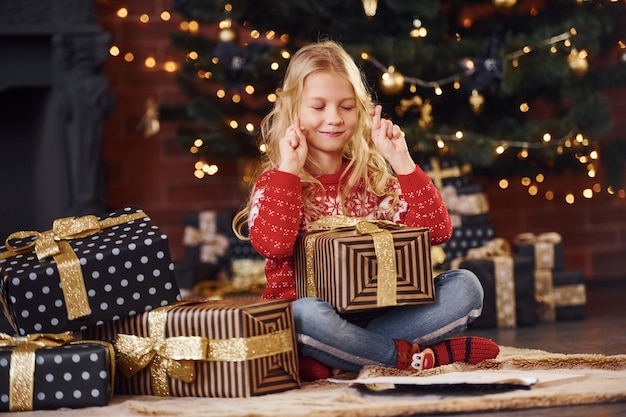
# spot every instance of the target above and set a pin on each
(418, 30)
(470, 66)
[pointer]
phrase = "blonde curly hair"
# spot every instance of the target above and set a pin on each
(365, 163)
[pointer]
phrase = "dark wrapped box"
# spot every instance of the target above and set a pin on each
(466, 237)
(356, 269)
(570, 297)
(224, 348)
(86, 270)
(445, 171)
(469, 200)
(75, 375)
(206, 237)
(509, 289)
(546, 249)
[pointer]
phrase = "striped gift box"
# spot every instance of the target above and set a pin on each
(222, 348)
(342, 267)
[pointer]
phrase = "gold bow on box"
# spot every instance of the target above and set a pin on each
(174, 356)
(383, 247)
(54, 243)
(22, 366)
(499, 251)
(544, 247)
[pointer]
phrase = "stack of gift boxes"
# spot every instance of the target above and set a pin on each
(466, 202)
(218, 263)
(525, 282)
(92, 307)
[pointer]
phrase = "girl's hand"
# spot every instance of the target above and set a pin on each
(293, 149)
(389, 140)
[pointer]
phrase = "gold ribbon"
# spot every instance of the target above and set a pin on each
(464, 204)
(570, 295)
(544, 247)
(212, 244)
(544, 295)
(22, 367)
(437, 174)
(54, 243)
(173, 356)
(383, 248)
(499, 251)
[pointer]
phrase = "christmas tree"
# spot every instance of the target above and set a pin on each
(510, 87)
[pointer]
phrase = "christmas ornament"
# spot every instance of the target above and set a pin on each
(577, 62)
(477, 101)
(237, 60)
(504, 4)
(391, 82)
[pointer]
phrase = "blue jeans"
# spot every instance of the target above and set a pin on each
(350, 341)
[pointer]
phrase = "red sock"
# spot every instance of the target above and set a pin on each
(404, 349)
(412, 356)
(467, 349)
(312, 370)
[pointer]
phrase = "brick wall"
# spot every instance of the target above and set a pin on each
(157, 175)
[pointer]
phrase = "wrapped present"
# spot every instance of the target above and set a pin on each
(357, 264)
(560, 295)
(507, 281)
(223, 348)
(570, 294)
(242, 249)
(248, 279)
(6, 326)
(447, 172)
(473, 221)
(468, 200)
(84, 271)
(50, 371)
(545, 248)
(206, 237)
(468, 236)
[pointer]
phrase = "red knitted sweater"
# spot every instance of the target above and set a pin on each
(276, 217)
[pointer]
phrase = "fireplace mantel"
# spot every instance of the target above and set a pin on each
(53, 96)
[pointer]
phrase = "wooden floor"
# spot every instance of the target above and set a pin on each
(603, 332)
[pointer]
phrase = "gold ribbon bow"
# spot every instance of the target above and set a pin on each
(53, 243)
(383, 247)
(22, 367)
(173, 356)
(499, 251)
(544, 247)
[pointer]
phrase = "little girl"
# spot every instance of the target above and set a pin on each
(329, 152)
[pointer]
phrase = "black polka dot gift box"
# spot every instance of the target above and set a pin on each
(50, 371)
(84, 271)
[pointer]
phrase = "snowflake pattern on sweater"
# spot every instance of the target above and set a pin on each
(276, 217)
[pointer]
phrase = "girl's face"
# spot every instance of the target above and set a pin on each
(328, 114)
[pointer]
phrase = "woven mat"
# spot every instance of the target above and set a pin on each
(604, 381)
